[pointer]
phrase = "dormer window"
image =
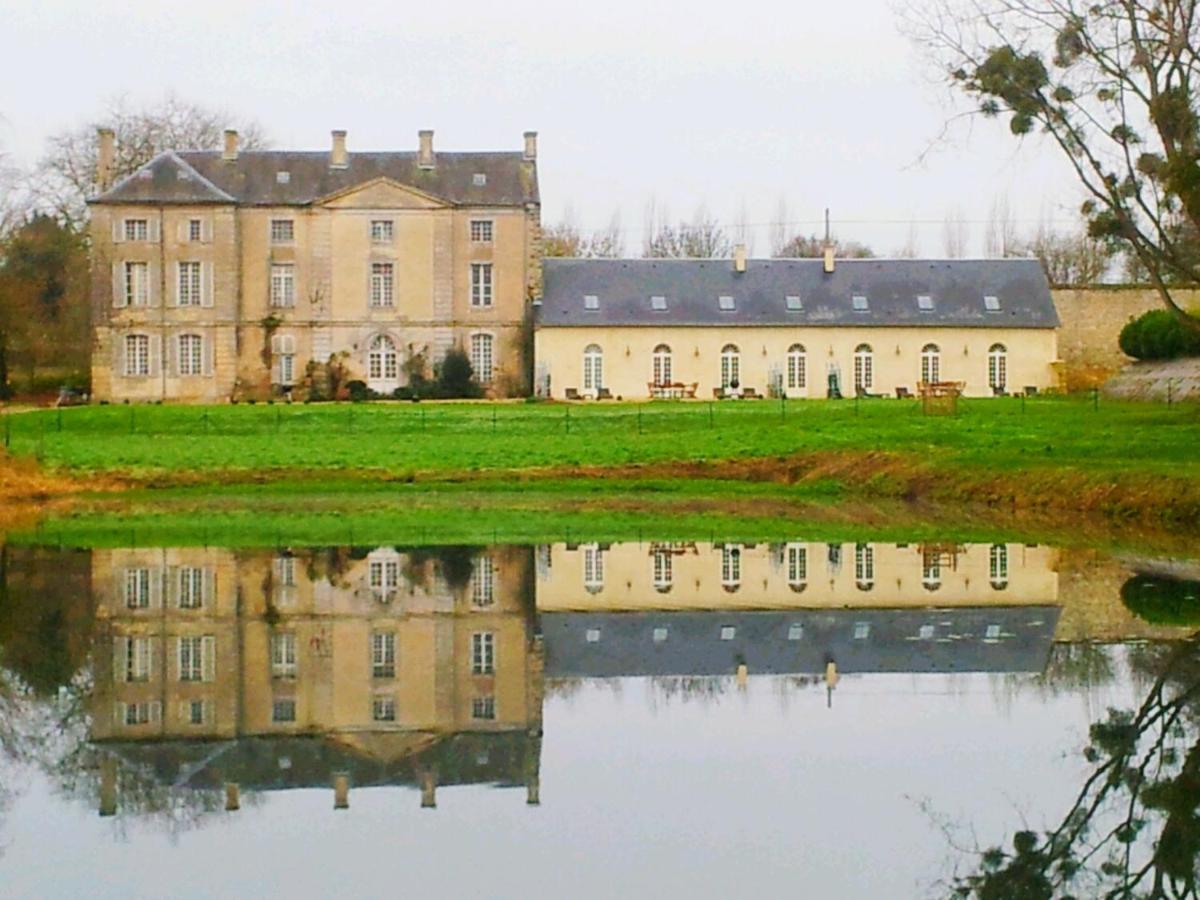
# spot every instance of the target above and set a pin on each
(591, 301)
(925, 303)
(283, 177)
(860, 303)
(658, 303)
(793, 303)
(479, 179)
(991, 303)
(725, 303)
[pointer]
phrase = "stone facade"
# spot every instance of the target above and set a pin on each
(207, 294)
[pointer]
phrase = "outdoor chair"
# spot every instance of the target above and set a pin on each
(902, 393)
(572, 394)
(604, 394)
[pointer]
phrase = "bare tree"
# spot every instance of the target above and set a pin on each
(813, 247)
(779, 227)
(566, 239)
(1071, 259)
(1112, 84)
(66, 175)
(912, 244)
(702, 238)
(1000, 235)
(742, 232)
(954, 235)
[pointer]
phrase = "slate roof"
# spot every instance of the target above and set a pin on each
(623, 288)
(892, 641)
(203, 176)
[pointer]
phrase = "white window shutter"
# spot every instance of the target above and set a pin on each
(173, 289)
(119, 714)
(156, 360)
(206, 230)
(120, 658)
(181, 230)
(208, 353)
(118, 363)
(118, 284)
(208, 658)
(179, 658)
(210, 584)
(151, 648)
(171, 593)
(169, 360)
(155, 712)
(156, 585)
(152, 229)
(206, 284)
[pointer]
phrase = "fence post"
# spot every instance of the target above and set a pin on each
(493, 419)
(7, 430)
(567, 417)
(1022, 403)
(278, 415)
(422, 418)
(710, 414)
(132, 418)
(639, 412)
(206, 421)
(1095, 398)
(782, 406)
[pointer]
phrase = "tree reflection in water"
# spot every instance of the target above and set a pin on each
(1133, 830)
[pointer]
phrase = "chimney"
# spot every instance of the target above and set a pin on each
(231, 144)
(425, 154)
(232, 797)
(338, 157)
(341, 791)
(530, 146)
(739, 258)
(428, 779)
(106, 157)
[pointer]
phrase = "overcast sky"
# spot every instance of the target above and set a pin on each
(733, 106)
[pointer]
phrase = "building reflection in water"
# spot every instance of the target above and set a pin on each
(245, 671)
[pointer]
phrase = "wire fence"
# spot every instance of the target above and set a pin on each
(261, 420)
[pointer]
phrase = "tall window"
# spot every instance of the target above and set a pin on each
(284, 347)
(593, 368)
(191, 587)
(137, 588)
(382, 361)
(137, 284)
(195, 230)
(283, 284)
(382, 231)
(797, 376)
(483, 582)
(481, 357)
(189, 284)
(283, 655)
(731, 364)
(137, 354)
(662, 365)
(998, 566)
(191, 354)
(137, 229)
(997, 367)
(797, 566)
(864, 368)
(383, 654)
(138, 660)
(481, 231)
(383, 708)
(931, 570)
(381, 284)
(483, 653)
(191, 658)
(731, 567)
(593, 568)
(483, 707)
(931, 363)
(283, 231)
(864, 566)
(663, 566)
(384, 576)
(481, 284)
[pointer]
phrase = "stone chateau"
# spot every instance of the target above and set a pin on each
(227, 274)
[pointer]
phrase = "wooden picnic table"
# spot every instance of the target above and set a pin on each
(675, 390)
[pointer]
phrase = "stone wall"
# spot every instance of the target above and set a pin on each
(1092, 319)
(1164, 382)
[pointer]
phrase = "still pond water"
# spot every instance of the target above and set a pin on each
(592, 720)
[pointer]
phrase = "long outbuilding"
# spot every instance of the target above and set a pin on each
(799, 328)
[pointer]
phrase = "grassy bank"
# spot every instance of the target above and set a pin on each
(1122, 459)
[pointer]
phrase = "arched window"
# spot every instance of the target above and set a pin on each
(593, 368)
(190, 360)
(998, 566)
(797, 567)
(864, 566)
(864, 368)
(931, 570)
(663, 570)
(382, 362)
(137, 354)
(593, 568)
(482, 358)
(731, 567)
(661, 373)
(797, 376)
(997, 367)
(731, 364)
(931, 363)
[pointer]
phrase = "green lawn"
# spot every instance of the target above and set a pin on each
(1003, 435)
